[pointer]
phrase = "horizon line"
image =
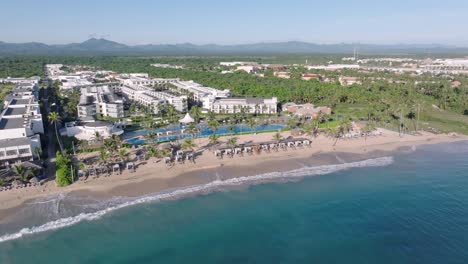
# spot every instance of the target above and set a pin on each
(251, 43)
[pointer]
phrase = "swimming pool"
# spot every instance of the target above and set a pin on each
(135, 137)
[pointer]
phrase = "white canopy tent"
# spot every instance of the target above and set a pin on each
(187, 119)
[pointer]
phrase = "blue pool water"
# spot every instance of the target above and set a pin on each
(134, 137)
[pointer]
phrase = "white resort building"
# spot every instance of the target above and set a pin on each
(92, 130)
(20, 125)
(200, 93)
(249, 105)
(100, 100)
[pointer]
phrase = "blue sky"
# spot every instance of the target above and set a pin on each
(233, 22)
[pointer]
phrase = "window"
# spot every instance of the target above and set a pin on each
(24, 151)
(12, 152)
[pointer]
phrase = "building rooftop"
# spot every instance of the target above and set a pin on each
(87, 100)
(19, 101)
(11, 123)
(249, 100)
(97, 123)
(255, 100)
(15, 111)
(5, 143)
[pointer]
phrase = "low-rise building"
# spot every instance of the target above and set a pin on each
(249, 105)
(31, 80)
(334, 67)
(20, 125)
(249, 68)
(167, 66)
(142, 96)
(235, 63)
(307, 110)
(200, 93)
(455, 84)
(95, 130)
(283, 75)
(310, 76)
(100, 100)
(17, 150)
(347, 80)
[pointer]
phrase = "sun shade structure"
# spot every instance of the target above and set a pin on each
(187, 119)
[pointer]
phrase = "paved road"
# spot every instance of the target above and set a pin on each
(51, 147)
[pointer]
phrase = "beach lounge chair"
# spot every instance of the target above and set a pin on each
(190, 156)
(229, 152)
(219, 154)
(283, 146)
(116, 168)
(168, 161)
(248, 150)
(265, 148)
(238, 151)
(273, 146)
(131, 167)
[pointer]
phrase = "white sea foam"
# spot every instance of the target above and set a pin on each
(298, 173)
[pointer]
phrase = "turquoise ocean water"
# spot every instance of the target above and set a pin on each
(414, 210)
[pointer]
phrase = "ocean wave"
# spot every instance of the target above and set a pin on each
(298, 173)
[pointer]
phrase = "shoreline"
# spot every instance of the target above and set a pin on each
(207, 168)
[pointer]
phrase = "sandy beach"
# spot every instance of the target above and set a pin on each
(151, 176)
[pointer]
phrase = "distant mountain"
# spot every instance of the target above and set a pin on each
(95, 46)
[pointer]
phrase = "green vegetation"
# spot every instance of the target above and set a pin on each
(64, 173)
(22, 172)
(424, 101)
(54, 118)
(21, 66)
(5, 89)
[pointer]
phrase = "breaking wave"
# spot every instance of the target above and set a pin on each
(298, 173)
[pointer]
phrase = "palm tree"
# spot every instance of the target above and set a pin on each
(38, 152)
(54, 118)
(188, 144)
(97, 136)
(103, 156)
(231, 129)
(232, 142)
(214, 125)
(150, 137)
(257, 109)
(214, 139)
(211, 115)
(369, 127)
(23, 173)
(122, 154)
(252, 124)
(109, 146)
(192, 129)
(343, 128)
(153, 152)
(292, 123)
(195, 112)
(309, 128)
(171, 111)
(277, 136)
